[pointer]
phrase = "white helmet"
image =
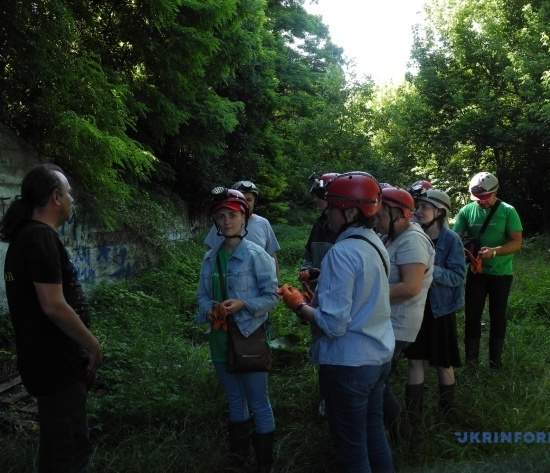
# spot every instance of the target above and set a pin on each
(482, 184)
(437, 198)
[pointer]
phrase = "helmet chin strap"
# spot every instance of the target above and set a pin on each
(425, 226)
(240, 235)
(346, 225)
(393, 219)
(440, 216)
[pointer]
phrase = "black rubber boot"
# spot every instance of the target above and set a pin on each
(263, 447)
(239, 444)
(412, 417)
(496, 346)
(471, 351)
(446, 398)
(392, 416)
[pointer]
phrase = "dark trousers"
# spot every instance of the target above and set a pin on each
(478, 287)
(64, 441)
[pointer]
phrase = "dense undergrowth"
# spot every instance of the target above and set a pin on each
(160, 409)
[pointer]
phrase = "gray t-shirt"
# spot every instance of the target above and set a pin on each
(411, 246)
(259, 232)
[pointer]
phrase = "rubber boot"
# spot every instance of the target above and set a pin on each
(446, 399)
(496, 346)
(239, 444)
(263, 447)
(392, 416)
(471, 351)
(414, 403)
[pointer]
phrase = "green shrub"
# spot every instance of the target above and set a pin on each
(162, 408)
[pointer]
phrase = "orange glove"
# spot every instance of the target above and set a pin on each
(476, 263)
(291, 296)
(219, 317)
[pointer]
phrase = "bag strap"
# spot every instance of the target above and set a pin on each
(221, 276)
(360, 237)
(489, 216)
(427, 238)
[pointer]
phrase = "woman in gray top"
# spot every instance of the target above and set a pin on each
(411, 258)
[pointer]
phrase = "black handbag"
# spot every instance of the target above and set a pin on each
(250, 353)
(245, 354)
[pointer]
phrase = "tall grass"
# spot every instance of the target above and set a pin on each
(161, 409)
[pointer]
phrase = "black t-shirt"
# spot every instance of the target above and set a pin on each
(321, 238)
(47, 358)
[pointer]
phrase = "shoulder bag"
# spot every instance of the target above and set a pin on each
(473, 245)
(245, 354)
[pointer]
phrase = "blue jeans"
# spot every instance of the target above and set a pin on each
(247, 393)
(354, 397)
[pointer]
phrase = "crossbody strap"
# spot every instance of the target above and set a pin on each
(360, 237)
(489, 217)
(428, 239)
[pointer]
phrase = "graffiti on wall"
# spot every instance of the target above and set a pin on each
(102, 262)
(94, 262)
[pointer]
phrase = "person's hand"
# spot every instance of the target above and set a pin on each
(476, 263)
(310, 274)
(291, 296)
(232, 306)
(485, 252)
(95, 358)
(218, 316)
(308, 293)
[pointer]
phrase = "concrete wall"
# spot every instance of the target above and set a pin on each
(97, 255)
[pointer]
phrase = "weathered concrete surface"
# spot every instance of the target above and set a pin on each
(97, 255)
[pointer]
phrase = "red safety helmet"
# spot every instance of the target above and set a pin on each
(399, 198)
(229, 199)
(355, 190)
(419, 188)
(319, 184)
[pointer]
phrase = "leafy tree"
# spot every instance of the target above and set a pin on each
(175, 96)
(478, 100)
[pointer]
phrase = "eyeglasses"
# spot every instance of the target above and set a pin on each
(247, 185)
(480, 193)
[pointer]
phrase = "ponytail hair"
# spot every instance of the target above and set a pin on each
(36, 189)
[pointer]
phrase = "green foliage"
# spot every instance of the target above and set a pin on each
(532, 281)
(6, 332)
(172, 95)
(162, 409)
(478, 102)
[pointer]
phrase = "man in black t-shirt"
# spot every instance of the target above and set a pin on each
(57, 354)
